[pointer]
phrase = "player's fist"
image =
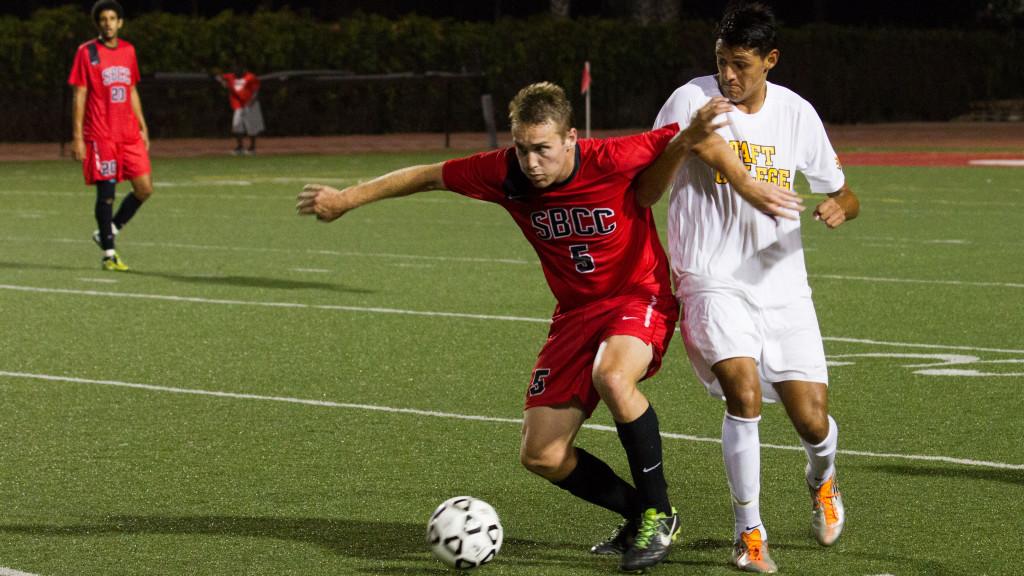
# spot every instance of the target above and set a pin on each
(830, 212)
(707, 119)
(326, 203)
(78, 149)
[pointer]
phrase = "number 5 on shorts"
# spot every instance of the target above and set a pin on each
(537, 385)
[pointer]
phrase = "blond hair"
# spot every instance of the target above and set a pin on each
(539, 103)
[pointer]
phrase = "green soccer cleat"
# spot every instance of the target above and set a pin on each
(750, 554)
(619, 541)
(654, 538)
(113, 264)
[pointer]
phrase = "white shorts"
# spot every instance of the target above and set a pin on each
(248, 120)
(785, 341)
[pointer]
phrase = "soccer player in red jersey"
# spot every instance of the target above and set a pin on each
(110, 134)
(247, 117)
(599, 249)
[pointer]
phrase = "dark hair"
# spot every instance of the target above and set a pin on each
(539, 103)
(104, 5)
(748, 25)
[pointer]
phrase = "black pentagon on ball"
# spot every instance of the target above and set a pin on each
(454, 544)
(463, 564)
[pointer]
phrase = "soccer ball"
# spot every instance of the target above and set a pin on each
(464, 532)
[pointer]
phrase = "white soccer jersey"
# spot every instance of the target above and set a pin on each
(717, 240)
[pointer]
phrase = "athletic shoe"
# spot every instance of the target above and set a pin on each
(750, 554)
(654, 538)
(619, 541)
(96, 235)
(113, 263)
(827, 513)
(239, 152)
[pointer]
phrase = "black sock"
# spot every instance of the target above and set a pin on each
(642, 442)
(128, 207)
(104, 210)
(595, 482)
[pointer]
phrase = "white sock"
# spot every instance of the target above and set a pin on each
(821, 457)
(108, 253)
(741, 449)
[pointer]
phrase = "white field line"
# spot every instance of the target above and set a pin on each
(916, 281)
(224, 302)
(12, 572)
(429, 313)
(1008, 162)
(452, 415)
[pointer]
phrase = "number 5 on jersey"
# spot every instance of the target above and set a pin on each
(584, 261)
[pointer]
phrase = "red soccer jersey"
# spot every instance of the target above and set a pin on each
(594, 241)
(109, 74)
(242, 90)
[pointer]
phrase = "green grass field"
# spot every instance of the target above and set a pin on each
(267, 395)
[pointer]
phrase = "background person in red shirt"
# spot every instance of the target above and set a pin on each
(243, 90)
(575, 202)
(110, 136)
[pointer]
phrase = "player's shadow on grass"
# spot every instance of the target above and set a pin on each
(40, 266)
(954, 472)
(363, 539)
(252, 282)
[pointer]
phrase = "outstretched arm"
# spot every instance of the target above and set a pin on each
(841, 206)
(329, 204)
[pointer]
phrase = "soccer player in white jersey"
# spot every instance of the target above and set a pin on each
(749, 323)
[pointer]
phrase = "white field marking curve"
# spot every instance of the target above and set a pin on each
(478, 418)
(376, 310)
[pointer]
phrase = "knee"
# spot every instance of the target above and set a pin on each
(744, 401)
(612, 384)
(547, 463)
(812, 426)
(143, 192)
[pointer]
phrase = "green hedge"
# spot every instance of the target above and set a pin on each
(850, 75)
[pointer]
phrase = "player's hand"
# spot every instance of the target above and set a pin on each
(830, 212)
(772, 200)
(703, 123)
(145, 138)
(78, 149)
(326, 203)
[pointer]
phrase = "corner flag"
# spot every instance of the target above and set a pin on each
(585, 89)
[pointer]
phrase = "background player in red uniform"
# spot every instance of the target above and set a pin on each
(599, 249)
(110, 136)
(247, 116)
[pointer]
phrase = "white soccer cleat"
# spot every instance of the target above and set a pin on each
(827, 513)
(750, 554)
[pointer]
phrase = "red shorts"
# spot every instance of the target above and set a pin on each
(118, 161)
(565, 364)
